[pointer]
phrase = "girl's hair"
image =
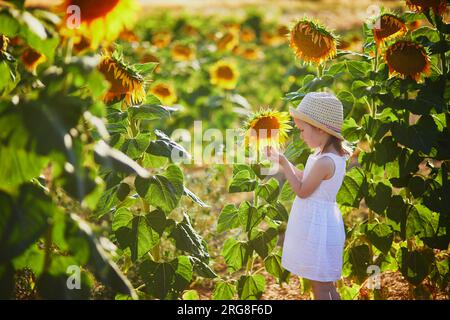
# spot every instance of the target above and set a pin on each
(342, 147)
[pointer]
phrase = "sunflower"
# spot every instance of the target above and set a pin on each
(227, 42)
(189, 30)
(408, 59)
(161, 39)
(247, 35)
(81, 44)
(390, 27)
(312, 42)
(224, 74)
(126, 83)
(128, 36)
(99, 20)
(31, 59)
(150, 57)
(268, 38)
(181, 52)
(165, 93)
(251, 53)
(266, 127)
(438, 6)
(232, 26)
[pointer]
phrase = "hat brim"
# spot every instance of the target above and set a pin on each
(297, 114)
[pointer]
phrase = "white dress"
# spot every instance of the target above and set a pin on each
(315, 235)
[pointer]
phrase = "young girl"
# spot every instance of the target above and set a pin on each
(315, 236)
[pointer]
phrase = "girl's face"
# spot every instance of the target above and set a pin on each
(311, 135)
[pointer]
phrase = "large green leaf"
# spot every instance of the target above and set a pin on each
(273, 266)
(166, 147)
(162, 191)
(249, 216)
(251, 287)
(228, 219)
(269, 190)
(421, 222)
(23, 220)
(378, 197)
(235, 253)
(137, 235)
(223, 291)
(187, 239)
(353, 187)
(264, 242)
(166, 280)
(380, 235)
(243, 181)
(415, 265)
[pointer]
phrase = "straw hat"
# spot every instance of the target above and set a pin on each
(322, 110)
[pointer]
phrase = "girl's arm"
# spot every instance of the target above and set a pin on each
(318, 172)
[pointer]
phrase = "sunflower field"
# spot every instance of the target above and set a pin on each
(105, 115)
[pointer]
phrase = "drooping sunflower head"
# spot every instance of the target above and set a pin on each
(165, 93)
(228, 41)
(266, 127)
(311, 42)
(126, 82)
(438, 6)
(388, 27)
(31, 59)
(182, 52)
(99, 20)
(224, 74)
(407, 59)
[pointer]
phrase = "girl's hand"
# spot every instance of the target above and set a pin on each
(274, 155)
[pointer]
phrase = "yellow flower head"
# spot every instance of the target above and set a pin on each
(227, 42)
(99, 20)
(267, 127)
(389, 27)
(165, 93)
(251, 53)
(407, 59)
(126, 83)
(312, 42)
(181, 52)
(161, 39)
(247, 35)
(224, 74)
(438, 6)
(31, 59)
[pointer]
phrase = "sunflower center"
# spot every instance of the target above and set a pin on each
(30, 57)
(265, 125)
(162, 91)
(225, 72)
(91, 10)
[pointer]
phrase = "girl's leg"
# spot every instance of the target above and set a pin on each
(324, 291)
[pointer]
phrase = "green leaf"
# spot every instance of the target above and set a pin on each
(242, 182)
(228, 219)
(421, 222)
(380, 235)
(269, 190)
(122, 218)
(149, 112)
(135, 147)
(352, 189)
(273, 266)
(138, 236)
(378, 198)
(202, 269)
(223, 291)
(235, 254)
(277, 212)
(162, 191)
(18, 166)
(356, 261)
(358, 69)
(415, 265)
(264, 242)
(166, 280)
(249, 216)
(23, 220)
(251, 287)
(166, 147)
(190, 295)
(187, 239)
